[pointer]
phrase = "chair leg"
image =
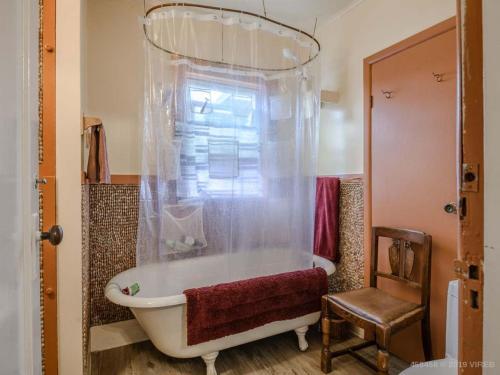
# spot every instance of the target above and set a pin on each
(326, 355)
(426, 337)
(383, 338)
(383, 361)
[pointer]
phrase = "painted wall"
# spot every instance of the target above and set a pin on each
(346, 40)
(492, 183)
(68, 122)
(114, 69)
(114, 88)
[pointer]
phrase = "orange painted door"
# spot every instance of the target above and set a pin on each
(413, 140)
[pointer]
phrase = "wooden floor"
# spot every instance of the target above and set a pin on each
(277, 355)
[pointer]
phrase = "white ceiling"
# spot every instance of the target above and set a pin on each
(298, 13)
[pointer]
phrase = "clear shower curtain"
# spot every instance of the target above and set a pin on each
(229, 144)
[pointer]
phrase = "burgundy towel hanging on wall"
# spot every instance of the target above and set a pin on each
(97, 166)
(326, 223)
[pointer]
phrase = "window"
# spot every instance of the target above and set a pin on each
(220, 132)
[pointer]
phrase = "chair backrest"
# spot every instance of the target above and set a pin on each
(401, 265)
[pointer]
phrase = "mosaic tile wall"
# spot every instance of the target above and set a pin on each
(112, 239)
(113, 215)
(350, 269)
(85, 279)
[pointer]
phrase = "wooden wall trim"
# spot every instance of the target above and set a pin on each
(134, 179)
(367, 168)
(125, 179)
(349, 176)
(118, 179)
(470, 133)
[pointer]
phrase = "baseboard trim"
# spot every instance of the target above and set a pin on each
(114, 335)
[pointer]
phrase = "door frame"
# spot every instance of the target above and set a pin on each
(69, 96)
(470, 134)
(47, 171)
(440, 28)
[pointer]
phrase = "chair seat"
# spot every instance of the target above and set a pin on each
(376, 306)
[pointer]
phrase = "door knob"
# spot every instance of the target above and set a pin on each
(54, 235)
(450, 208)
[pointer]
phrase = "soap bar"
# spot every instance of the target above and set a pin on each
(132, 290)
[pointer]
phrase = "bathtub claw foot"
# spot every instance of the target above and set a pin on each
(301, 335)
(210, 362)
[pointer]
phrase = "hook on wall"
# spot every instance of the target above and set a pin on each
(438, 76)
(387, 93)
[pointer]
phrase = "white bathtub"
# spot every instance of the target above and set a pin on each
(160, 306)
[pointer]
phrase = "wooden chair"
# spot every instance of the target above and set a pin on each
(377, 312)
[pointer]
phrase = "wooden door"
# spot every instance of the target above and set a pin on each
(47, 174)
(413, 162)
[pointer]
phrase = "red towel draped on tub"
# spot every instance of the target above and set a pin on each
(326, 223)
(226, 309)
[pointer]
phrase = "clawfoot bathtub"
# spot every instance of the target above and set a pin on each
(160, 308)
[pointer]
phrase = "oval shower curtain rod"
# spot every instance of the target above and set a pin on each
(229, 10)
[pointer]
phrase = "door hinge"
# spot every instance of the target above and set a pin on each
(467, 270)
(470, 272)
(40, 181)
(470, 177)
(371, 101)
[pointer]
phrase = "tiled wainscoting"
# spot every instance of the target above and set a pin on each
(112, 239)
(110, 216)
(85, 278)
(350, 269)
